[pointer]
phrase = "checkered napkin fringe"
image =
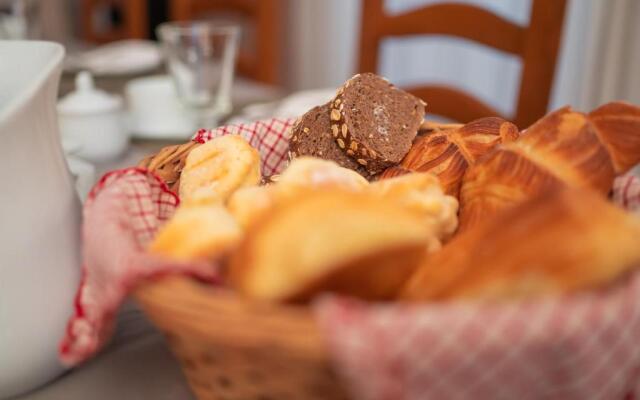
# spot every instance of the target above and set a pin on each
(577, 347)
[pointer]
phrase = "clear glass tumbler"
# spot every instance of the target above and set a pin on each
(200, 57)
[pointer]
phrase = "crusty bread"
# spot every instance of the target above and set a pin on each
(448, 152)
(214, 170)
(311, 136)
(301, 175)
(329, 240)
(564, 147)
(420, 193)
(557, 242)
(374, 122)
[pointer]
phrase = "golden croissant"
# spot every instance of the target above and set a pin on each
(558, 242)
(563, 148)
(448, 152)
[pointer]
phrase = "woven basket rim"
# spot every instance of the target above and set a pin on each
(218, 313)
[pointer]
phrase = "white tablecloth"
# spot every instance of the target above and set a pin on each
(136, 365)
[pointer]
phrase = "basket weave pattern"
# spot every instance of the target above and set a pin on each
(230, 349)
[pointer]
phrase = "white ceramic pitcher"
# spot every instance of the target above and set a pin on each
(39, 218)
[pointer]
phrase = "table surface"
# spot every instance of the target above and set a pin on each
(137, 364)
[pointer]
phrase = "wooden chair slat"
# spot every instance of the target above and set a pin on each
(453, 103)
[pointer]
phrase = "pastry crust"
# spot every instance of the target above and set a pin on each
(566, 144)
(558, 242)
(563, 148)
(617, 125)
(329, 240)
(502, 179)
(448, 152)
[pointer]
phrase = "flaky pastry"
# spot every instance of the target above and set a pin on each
(558, 242)
(564, 147)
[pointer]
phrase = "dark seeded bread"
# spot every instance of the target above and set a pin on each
(374, 122)
(311, 136)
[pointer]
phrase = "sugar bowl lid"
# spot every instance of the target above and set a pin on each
(87, 99)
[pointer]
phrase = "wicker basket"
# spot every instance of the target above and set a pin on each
(230, 348)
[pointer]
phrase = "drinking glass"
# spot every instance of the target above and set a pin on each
(200, 57)
(20, 19)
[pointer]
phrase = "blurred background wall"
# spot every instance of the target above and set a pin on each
(599, 54)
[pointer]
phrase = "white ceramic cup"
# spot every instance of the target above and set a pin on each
(155, 111)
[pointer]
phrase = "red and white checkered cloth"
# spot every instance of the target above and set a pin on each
(576, 347)
(121, 216)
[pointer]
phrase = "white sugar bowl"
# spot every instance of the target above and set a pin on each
(93, 119)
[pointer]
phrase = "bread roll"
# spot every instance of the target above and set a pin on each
(247, 204)
(422, 193)
(560, 242)
(303, 174)
(214, 170)
(329, 240)
(315, 173)
(311, 136)
(197, 233)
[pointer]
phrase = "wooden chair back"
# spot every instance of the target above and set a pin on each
(133, 24)
(536, 45)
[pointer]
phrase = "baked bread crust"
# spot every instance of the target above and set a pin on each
(293, 252)
(448, 152)
(557, 242)
(197, 233)
(217, 168)
(311, 136)
(379, 140)
(564, 147)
